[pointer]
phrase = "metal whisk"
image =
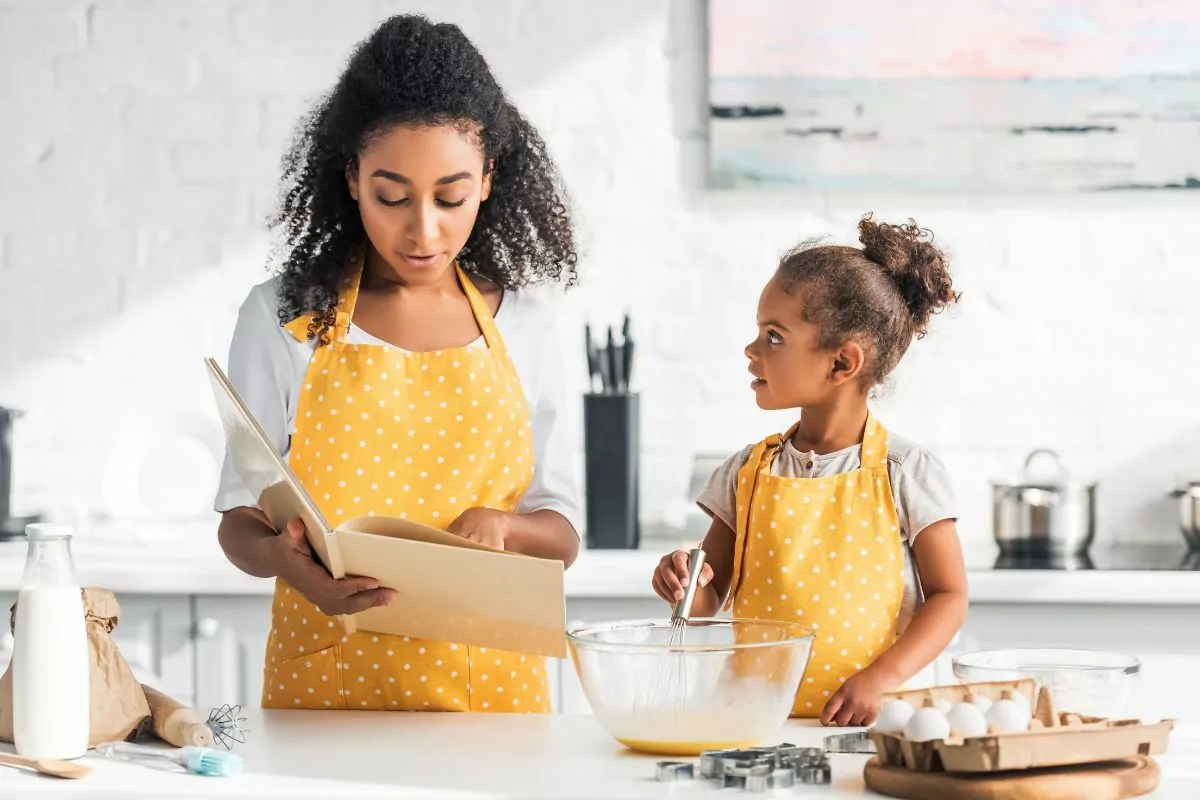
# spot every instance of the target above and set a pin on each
(668, 685)
(683, 609)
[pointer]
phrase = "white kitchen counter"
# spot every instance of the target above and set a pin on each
(377, 754)
(200, 568)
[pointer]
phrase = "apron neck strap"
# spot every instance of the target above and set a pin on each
(874, 445)
(479, 307)
(747, 478)
(483, 315)
(349, 299)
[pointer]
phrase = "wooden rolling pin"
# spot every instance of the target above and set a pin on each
(175, 723)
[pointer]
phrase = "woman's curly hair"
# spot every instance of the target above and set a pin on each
(411, 71)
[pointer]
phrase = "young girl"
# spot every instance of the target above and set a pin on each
(822, 525)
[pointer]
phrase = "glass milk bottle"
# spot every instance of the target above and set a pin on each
(51, 705)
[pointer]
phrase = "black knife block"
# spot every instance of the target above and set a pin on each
(610, 444)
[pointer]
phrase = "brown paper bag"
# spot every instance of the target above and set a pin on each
(118, 703)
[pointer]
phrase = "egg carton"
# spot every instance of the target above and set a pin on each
(1055, 738)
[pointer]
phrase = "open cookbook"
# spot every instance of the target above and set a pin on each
(447, 589)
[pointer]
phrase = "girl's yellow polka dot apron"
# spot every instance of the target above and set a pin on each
(825, 553)
(422, 436)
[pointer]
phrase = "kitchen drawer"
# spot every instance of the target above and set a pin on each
(230, 637)
(154, 635)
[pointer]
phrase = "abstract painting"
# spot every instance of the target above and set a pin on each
(955, 96)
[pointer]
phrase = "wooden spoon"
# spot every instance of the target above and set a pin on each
(48, 766)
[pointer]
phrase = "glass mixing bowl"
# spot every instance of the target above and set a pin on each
(1086, 682)
(721, 683)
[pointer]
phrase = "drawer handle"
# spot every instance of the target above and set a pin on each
(207, 628)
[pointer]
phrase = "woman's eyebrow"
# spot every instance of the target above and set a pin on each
(398, 178)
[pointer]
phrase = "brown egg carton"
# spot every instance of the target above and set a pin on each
(1055, 738)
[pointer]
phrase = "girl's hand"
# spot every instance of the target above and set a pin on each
(671, 576)
(484, 525)
(857, 702)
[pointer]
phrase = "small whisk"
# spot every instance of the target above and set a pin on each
(226, 725)
(667, 685)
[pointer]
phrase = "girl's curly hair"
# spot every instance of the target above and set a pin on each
(882, 294)
(411, 71)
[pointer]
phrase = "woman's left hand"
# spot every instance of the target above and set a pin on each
(484, 525)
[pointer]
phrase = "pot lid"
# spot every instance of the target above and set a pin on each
(1043, 469)
(1186, 484)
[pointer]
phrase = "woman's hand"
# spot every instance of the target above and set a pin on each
(484, 525)
(289, 556)
(857, 701)
(671, 577)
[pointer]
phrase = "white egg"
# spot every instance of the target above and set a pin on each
(943, 706)
(927, 724)
(966, 720)
(982, 703)
(894, 715)
(1007, 716)
(1022, 701)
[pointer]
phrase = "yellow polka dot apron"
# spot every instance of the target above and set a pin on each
(825, 553)
(422, 436)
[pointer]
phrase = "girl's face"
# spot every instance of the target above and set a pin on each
(418, 190)
(788, 368)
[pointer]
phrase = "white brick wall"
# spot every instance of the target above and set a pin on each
(139, 145)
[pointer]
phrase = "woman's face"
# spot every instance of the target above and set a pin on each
(418, 190)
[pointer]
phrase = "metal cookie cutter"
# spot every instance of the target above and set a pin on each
(779, 778)
(814, 774)
(675, 771)
(799, 756)
(712, 763)
(737, 776)
(850, 743)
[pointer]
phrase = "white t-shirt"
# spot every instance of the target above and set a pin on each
(921, 492)
(267, 365)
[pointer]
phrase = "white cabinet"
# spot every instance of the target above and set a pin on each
(153, 633)
(208, 650)
(230, 635)
(202, 651)
(1166, 639)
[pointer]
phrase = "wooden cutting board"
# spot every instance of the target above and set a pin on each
(1115, 780)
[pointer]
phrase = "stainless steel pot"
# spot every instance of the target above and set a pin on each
(10, 527)
(1052, 514)
(1189, 514)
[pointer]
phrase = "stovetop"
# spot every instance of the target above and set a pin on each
(1152, 558)
(13, 528)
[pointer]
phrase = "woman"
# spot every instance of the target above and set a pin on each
(399, 366)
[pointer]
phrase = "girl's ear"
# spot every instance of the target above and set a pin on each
(352, 179)
(848, 362)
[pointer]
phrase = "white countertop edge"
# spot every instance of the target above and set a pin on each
(201, 568)
(985, 586)
(374, 754)
(616, 575)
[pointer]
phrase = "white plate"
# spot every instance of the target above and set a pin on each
(164, 469)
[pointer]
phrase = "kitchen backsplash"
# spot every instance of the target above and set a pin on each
(144, 162)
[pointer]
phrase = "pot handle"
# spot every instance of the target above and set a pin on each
(1042, 451)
